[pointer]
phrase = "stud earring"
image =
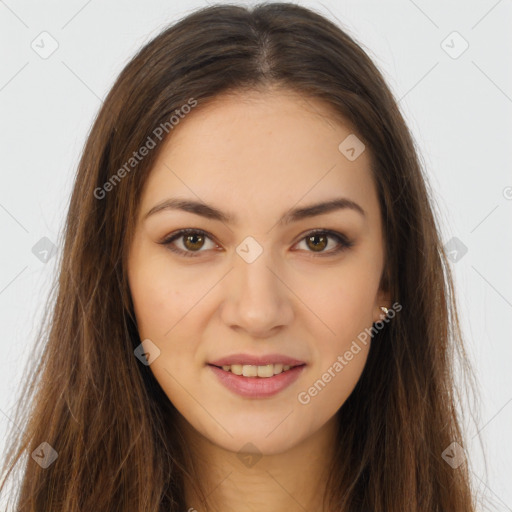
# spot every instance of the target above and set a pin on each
(385, 310)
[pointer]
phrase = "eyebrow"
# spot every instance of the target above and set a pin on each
(292, 215)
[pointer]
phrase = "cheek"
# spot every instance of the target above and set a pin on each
(160, 297)
(341, 347)
(167, 316)
(152, 303)
(330, 387)
(342, 303)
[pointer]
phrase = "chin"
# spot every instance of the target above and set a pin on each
(256, 445)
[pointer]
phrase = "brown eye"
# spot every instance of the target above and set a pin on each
(317, 242)
(193, 242)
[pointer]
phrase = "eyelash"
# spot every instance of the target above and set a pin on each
(341, 239)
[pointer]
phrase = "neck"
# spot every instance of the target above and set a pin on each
(293, 480)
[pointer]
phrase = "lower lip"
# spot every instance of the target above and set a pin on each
(257, 387)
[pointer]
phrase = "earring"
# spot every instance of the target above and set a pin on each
(385, 310)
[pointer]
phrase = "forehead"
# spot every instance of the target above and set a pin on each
(260, 151)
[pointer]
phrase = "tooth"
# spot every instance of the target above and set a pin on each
(236, 369)
(266, 371)
(249, 370)
(278, 368)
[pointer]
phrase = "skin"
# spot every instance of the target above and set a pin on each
(257, 155)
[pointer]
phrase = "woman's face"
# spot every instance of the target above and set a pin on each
(252, 279)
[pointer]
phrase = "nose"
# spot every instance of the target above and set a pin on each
(257, 299)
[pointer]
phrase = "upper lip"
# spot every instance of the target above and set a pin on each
(257, 360)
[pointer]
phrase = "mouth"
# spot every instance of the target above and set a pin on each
(257, 381)
(257, 371)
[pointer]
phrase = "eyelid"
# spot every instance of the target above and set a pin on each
(343, 241)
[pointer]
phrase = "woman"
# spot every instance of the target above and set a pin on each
(254, 309)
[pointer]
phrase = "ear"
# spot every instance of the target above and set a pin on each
(383, 299)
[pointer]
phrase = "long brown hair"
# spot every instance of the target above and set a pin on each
(93, 402)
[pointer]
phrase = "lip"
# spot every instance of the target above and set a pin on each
(257, 360)
(257, 387)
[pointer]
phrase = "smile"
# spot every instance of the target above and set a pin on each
(250, 370)
(246, 381)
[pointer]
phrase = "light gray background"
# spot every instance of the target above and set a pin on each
(459, 110)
